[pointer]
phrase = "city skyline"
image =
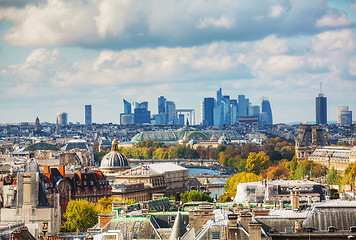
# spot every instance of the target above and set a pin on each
(278, 49)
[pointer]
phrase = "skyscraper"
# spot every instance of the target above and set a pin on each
(244, 104)
(141, 113)
(321, 108)
(339, 110)
(171, 112)
(62, 118)
(266, 111)
(207, 111)
(127, 107)
(161, 105)
(88, 117)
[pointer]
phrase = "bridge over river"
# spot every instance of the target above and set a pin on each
(185, 162)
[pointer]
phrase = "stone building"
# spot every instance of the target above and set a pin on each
(29, 203)
(114, 161)
(334, 157)
(141, 182)
(310, 138)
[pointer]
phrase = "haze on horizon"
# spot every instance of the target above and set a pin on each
(58, 55)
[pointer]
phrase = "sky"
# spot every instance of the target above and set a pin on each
(58, 55)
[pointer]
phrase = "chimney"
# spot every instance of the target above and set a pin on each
(104, 218)
(62, 171)
(254, 230)
(295, 195)
(245, 219)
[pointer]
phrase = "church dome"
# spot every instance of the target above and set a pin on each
(114, 161)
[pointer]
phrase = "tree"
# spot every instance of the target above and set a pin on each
(160, 153)
(80, 215)
(334, 177)
(231, 184)
(195, 196)
(105, 204)
(99, 155)
(277, 172)
(219, 149)
(255, 163)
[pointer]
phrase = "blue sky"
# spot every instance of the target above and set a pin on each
(57, 55)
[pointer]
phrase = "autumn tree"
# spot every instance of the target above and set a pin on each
(80, 215)
(231, 184)
(255, 163)
(105, 204)
(276, 172)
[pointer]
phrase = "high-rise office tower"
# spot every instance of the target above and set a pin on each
(207, 111)
(88, 116)
(161, 105)
(141, 113)
(62, 118)
(219, 97)
(255, 110)
(244, 105)
(341, 109)
(171, 112)
(321, 108)
(127, 106)
(266, 110)
(346, 117)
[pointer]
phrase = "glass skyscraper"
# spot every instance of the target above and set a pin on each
(87, 116)
(267, 118)
(127, 107)
(161, 105)
(208, 111)
(321, 109)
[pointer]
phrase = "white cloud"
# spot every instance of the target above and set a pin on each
(352, 66)
(327, 42)
(334, 19)
(111, 24)
(283, 64)
(276, 11)
(271, 45)
(222, 22)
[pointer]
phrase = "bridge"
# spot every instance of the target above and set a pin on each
(185, 162)
(209, 179)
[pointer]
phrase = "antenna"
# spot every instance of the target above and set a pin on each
(321, 87)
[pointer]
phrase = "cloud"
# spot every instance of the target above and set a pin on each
(352, 66)
(334, 19)
(111, 24)
(271, 45)
(331, 41)
(276, 11)
(222, 22)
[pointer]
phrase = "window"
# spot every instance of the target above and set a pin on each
(135, 236)
(216, 235)
(152, 236)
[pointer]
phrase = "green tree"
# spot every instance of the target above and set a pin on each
(219, 149)
(195, 196)
(255, 163)
(99, 155)
(334, 177)
(80, 215)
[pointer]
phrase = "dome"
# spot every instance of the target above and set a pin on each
(114, 161)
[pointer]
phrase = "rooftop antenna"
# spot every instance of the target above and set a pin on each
(321, 87)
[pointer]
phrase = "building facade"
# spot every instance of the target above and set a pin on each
(321, 109)
(88, 115)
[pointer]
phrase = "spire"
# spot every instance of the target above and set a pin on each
(178, 229)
